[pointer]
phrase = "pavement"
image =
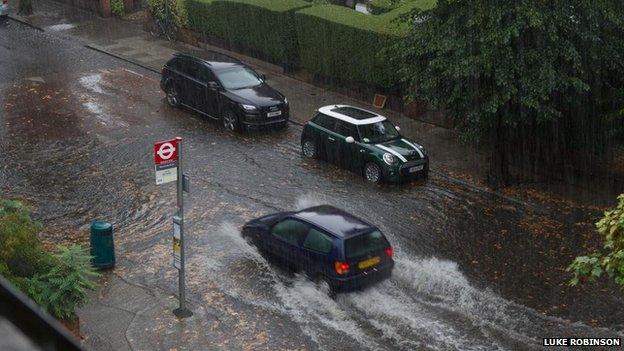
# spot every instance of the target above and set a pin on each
(475, 269)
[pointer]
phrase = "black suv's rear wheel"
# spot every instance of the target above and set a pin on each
(173, 98)
(230, 122)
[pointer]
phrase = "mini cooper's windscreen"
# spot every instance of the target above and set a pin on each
(378, 132)
(238, 78)
(365, 244)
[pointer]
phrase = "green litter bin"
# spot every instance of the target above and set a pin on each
(102, 245)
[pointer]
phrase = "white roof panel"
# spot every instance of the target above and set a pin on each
(327, 110)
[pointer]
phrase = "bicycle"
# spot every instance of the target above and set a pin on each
(165, 26)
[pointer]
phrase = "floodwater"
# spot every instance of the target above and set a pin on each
(474, 271)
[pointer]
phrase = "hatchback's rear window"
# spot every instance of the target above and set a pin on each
(364, 244)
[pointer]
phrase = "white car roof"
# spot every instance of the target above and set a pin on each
(328, 110)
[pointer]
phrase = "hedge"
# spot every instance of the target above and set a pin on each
(340, 43)
(265, 26)
(329, 40)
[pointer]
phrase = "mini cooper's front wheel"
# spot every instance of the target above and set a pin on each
(372, 172)
(308, 148)
(173, 98)
(229, 121)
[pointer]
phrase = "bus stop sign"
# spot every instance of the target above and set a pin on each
(166, 161)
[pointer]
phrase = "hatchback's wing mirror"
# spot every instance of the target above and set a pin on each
(262, 76)
(350, 140)
(397, 128)
(213, 85)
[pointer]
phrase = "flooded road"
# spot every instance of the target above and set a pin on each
(475, 271)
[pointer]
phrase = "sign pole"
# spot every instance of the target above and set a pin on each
(182, 311)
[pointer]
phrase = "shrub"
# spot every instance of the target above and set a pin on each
(64, 287)
(117, 7)
(58, 283)
(611, 260)
(21, 252)
(264, 26)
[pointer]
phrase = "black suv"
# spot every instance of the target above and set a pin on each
(223, 88)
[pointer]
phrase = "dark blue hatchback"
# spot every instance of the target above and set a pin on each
(327, 243)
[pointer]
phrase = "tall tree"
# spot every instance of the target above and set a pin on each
(539, 82)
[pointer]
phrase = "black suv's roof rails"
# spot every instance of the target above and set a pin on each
(182, 54)
(206, 56)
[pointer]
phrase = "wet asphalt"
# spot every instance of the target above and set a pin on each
(474, 270)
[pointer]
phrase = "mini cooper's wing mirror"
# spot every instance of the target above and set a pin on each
(262, 76)
(213, 85)
(350, 140)
(397, 128)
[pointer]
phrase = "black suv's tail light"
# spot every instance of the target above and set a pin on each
(389, 251)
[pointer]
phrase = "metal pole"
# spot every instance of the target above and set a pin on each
(181, 311)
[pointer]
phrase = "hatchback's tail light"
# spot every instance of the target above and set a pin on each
(341, 267)
(389, 251)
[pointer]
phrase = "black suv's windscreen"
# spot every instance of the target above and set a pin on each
(238, 78)
(378, 132)
(365, 244)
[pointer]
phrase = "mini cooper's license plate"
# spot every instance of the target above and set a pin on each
(416, 168)
(369, 263)
(274, 113)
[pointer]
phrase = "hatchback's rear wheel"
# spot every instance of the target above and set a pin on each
(308, 148)
(323, 285)
(372, 172)
(229, 121)
(173, 98)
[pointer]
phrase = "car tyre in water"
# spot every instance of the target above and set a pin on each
(308, 149)
(230, 122)
(323, 285)
(173, 98)
(372, 172)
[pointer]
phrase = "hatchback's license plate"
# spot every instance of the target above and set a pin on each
(274, 113)
(369, 263)
(416, 168)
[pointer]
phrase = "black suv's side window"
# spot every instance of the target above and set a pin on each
(318, 241)
(324, 121)
(346, 129)
(174, 64)
(205, 75)
(290, 230)
(188, 67)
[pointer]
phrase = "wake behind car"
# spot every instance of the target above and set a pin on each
(364, 142)
(225, 89)
(329, 244)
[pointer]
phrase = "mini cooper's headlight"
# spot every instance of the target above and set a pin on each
(422, 149)
(390, 159)
(248, 107)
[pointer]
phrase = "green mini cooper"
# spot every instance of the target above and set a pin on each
(364, 142)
